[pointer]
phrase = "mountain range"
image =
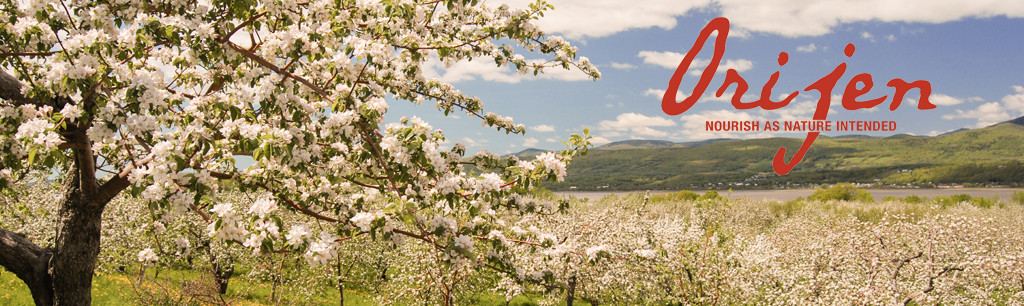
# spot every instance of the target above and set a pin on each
(990, 156)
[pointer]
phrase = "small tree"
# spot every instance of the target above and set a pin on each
(160, 98)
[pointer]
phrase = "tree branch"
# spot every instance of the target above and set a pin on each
(10, 89)
(28, 261)
(116, 184)
(263, 62)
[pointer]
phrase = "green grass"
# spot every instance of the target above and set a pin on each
(119, 289)
(107, 289)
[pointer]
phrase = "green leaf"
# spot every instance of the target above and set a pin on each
(32, 155)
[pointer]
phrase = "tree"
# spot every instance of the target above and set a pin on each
(160, 98)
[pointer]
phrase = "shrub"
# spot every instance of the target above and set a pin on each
(1018, 197)
(842, 192)
(955, 199)
(913, 199)
(683, 195)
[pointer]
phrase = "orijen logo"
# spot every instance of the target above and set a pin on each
(855, 88)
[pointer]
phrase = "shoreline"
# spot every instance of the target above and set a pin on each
(1002, 194)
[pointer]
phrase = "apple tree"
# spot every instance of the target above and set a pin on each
(160, 98)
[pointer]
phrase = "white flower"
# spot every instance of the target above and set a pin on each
(138, 175)
(263, 207)
(71, 112)
(183, 243)
(440, 222)
(537, 275)
(363, 220)
(268, 227)
(377, 104)
(147, 255)
(254, 241)
(31, 128)
(296, 234)
(163, 149)
(158, 227)
(526, 166)
(552, 164)
(464, 242)
(323, 251)
(153, 193)
(593, 252)
(390, 144)
(488, 182)
(223, 209)
(250, 131)
(646, 253)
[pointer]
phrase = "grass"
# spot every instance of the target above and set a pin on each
(119, 289)
(107, 289)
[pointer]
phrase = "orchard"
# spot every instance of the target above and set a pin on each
(158, 100)
(208, 152)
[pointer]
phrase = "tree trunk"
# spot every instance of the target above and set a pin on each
(76, 247)
(62, 275)
(221, 275)
(571, 291)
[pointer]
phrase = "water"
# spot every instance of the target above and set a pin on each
(1003, 194)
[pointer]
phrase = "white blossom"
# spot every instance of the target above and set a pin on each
(147, 256)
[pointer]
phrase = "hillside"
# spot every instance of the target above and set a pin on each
(988, 156)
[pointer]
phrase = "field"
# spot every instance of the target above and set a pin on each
(838, 246)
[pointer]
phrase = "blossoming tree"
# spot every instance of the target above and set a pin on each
(160, 98)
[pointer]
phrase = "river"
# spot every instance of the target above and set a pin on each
(1003, 194)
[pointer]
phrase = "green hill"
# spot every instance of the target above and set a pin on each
(988, 156)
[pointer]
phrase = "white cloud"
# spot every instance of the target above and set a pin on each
(812, 18)
(986, 114)
(808, 48)
(530, 142)
(1010, 107)
(1015, 101)
(472, 143)
(637, 125)
(598, 140)
(891, 37)
(667, 59)
(543, 128)
(868, 36)
(671, 60)
(944, 100)
(622, 66)
(598, 18)
(658, 93)
(484, 68)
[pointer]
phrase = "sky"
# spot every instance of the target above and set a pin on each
(972, 53)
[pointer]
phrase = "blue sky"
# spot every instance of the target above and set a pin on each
(971, 53)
